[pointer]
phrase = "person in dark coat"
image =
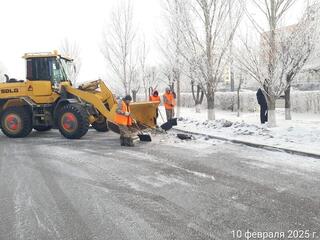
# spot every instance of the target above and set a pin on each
(262, 101)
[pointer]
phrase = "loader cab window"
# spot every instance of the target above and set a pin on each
(42, 69)
(57, 74)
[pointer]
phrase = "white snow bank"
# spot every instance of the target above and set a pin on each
(302, 133)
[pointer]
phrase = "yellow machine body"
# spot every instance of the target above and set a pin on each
(38, 93)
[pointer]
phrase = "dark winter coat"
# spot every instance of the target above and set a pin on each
(262, 101)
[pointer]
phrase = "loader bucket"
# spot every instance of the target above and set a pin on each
(144, 113)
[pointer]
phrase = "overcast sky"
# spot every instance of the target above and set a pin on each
(41, 25)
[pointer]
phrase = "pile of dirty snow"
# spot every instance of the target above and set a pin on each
(302, 133)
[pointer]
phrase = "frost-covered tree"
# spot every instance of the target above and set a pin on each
(2, 72)
(134, 80)
(281, 53)
(170, 45)
(299, 47)
(207, 35)
(153, 78)
(120, 47)
(72, 50)
(148, 75)
(196, 86)
(197, 94)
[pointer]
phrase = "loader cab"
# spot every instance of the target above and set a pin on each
(49, 67)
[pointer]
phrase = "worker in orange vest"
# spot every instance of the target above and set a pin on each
(155, 98)
(169, 103)
(124, 120)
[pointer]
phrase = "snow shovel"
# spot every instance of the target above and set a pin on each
(166, 126)
(174, 122)
(184, 136)
(144, 137)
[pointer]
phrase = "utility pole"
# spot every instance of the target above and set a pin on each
(231, 73)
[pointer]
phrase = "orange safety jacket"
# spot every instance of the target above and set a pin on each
(168, 100)
(154, 98)
(120, 118)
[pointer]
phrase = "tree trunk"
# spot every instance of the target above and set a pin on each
(178, 97)
(238, 102)
(146, 94)
(198, 108)
(272, 112)
(197, 97)
(134, 95)
(232, 88)
(287, 93)
(211, 110)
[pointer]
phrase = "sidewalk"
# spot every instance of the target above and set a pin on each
(302, 134)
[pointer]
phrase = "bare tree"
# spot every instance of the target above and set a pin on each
(153, 78)
(134, 80)
(166, 71)
(72, 50)
(207, 42)
(196, 87)
(197, 95)
(143, 68)
(240, 83)
(276, 61)
(170, 45)
(297, 48)
(231, 69)
(2, 72)
(119, 47)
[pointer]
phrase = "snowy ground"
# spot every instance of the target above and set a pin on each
(302, 133)
(93, 189)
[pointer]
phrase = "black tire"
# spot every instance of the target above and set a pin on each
(42, 128)
(101, 125)
(72, 121)
(16, 122)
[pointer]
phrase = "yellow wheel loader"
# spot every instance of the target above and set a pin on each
(47, 99)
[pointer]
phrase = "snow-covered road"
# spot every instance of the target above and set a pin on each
(53, 188)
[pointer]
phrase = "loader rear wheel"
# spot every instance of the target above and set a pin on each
(73, 121)
(42, 128)
(16, 122)
(101, 124)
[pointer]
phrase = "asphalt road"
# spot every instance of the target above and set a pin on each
(53, 188)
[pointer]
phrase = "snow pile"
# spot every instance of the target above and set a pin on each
(242, 128)
(302, 133)
(236, 128)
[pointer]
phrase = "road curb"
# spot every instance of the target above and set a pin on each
(255, 145)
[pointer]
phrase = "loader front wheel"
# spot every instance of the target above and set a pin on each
(73, 121)
(101, 125)
(16, 122)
